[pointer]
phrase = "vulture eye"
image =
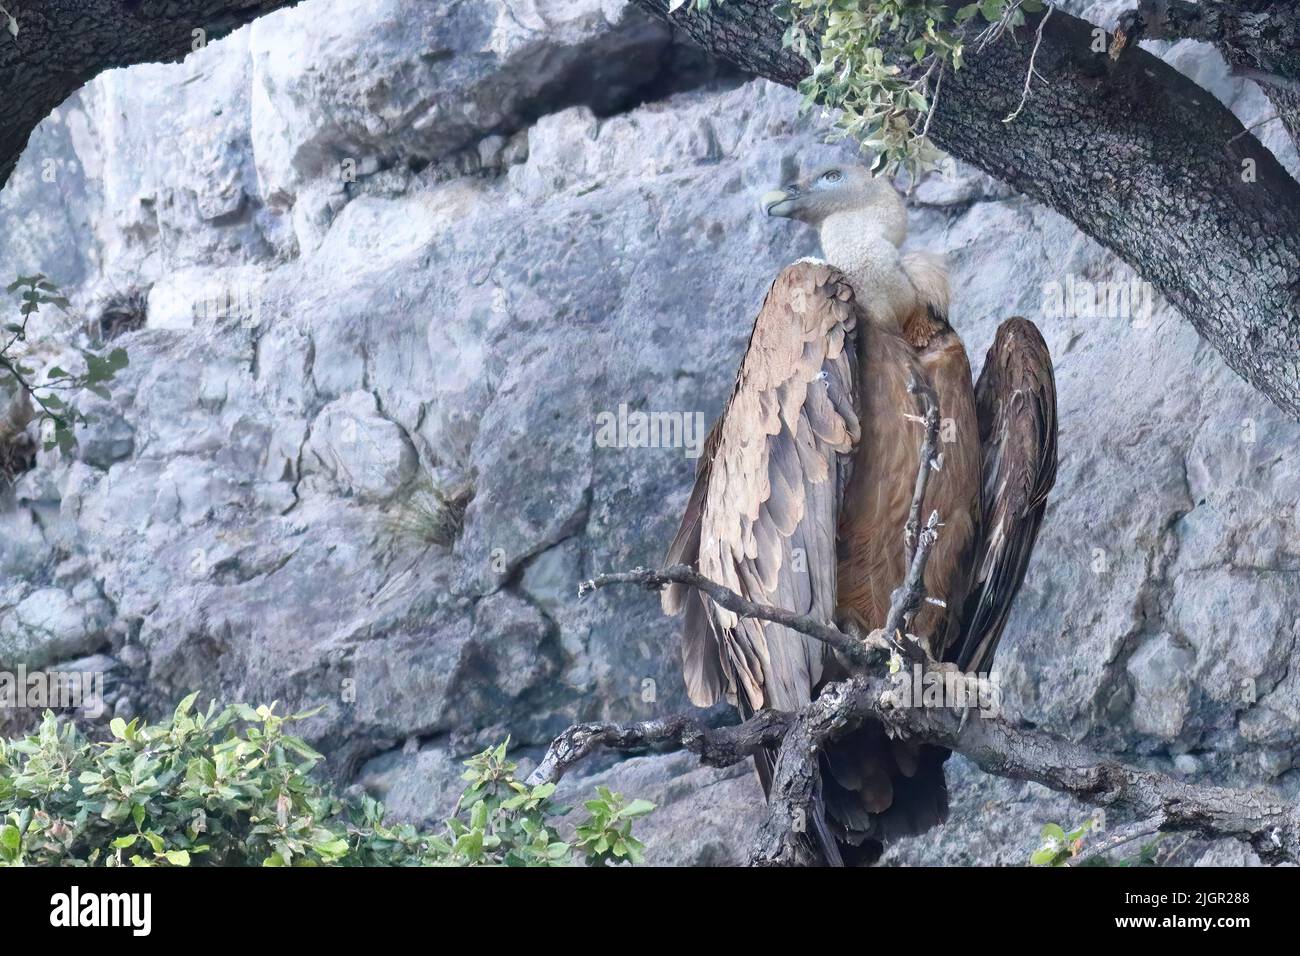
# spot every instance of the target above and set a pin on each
(832, 176)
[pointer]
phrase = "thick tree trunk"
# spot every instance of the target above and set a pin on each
(1138, 156)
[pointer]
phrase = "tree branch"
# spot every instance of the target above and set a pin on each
(1262, 819)
(1260, 35)
(1268, 823)
(854, 650)
(1260, 39)
(906, 600)
(715, 746)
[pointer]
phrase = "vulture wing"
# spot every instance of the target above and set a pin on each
(763, 514)
(1015, 402)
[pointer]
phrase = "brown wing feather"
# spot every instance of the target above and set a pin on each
(701, 654)
(762, 517)
(1015, 402)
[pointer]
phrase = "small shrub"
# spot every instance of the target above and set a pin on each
(120, 313)
(57, 415)
(235, 788)
(430, 516)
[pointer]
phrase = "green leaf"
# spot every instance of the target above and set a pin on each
(637, 808)
(10, 838)
(185, 706)
(1043, 857)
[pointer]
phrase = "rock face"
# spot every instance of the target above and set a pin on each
(365, 257)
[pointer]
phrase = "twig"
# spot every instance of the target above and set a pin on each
(655, 580)
(1253, 126)
(716, 746)
(1032, 71)
(934, 101)
(993, 32)
(927, 462)
(906, 599)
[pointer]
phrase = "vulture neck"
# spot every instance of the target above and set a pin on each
(863, 244)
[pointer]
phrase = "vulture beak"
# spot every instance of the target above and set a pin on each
(781, 202)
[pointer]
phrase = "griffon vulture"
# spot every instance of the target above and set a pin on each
(806, 479)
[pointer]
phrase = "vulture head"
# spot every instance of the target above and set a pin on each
(843, 190)
(837, 188)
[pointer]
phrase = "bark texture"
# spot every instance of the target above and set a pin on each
(1142, 159)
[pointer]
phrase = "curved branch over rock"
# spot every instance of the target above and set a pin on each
(1262, 36)
(1138, 156)
(1260, 39)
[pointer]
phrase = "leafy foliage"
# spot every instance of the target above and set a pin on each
(58, 417)
(235, 787)
(508, 822)
(1059, 848)
(607, 835)
(883, 102)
